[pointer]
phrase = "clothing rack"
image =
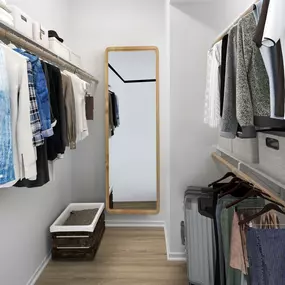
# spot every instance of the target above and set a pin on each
(220, 37)
(130, 81)
(30, 45)
(236, 170)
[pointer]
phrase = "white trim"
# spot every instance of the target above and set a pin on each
(134, 224)
(176, 256)
(166, 241)
(39, 270)
(173, 256)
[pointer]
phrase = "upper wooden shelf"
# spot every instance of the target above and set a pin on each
(225, 161)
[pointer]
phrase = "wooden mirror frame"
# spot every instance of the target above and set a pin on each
(107, 132)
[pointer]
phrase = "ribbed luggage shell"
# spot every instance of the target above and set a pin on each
(199, 241)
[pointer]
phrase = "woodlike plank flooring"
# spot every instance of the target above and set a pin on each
(136, 205)
(127, 256)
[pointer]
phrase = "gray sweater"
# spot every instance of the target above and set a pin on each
(247, 92)
(253, 93)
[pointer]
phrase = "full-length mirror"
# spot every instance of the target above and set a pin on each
(132, 130)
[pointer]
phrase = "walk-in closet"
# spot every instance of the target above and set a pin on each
(141, 142)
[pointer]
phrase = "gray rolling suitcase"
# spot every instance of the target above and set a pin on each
(198, 238)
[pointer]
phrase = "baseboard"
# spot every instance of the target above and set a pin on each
(176, 256)
(39, 270)
(173, 256)
(134, 224)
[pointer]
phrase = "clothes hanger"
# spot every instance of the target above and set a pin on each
(227, 186)
(254, 192)
(242, 186)
(228, 175)
(267, 208)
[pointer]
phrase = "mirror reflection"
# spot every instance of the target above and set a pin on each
(133, 172)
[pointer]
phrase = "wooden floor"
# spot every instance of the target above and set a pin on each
(135, 205)
(126, 257)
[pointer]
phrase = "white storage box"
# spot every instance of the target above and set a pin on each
(40, 34)
(59, 48)
(6, 17)
(58, 225)
(22, 22)
(246, 150)
(225, 144)
(272, 155)
(74, 58)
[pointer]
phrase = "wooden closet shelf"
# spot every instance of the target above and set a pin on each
(245, 177)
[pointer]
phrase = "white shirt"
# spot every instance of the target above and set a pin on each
(79, 89)
(212, 96)
(274, 29)
(24, 152)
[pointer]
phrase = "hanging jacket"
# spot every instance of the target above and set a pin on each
(79, 88)
(252, 85)
(69, 103)
(273, 60)
(41, 93)
(34, 110)
(56, 144)
(7, 172)
(24, 152)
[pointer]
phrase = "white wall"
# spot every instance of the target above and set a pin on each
(191, 140)
(193, 29)
(117, 23)
(26, 214)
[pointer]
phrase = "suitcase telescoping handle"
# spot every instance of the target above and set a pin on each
(182, 231)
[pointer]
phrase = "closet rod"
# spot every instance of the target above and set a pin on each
(220, 37)
(28, 44)
(245, 177)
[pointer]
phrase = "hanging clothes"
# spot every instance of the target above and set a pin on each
(43, 176)
(41, 93)
(38, 138)
(229, 122)
(111, 118)
(57, 143)
(7, 172)
(79, 88)
(24, 153)
(223, 72)
(273, 60)
(266, 252)
(253, 95)
(274, 29)
(70, 111)
(213, 86)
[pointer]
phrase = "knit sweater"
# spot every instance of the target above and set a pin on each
(253, 94)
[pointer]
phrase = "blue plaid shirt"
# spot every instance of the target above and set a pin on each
(38, 139)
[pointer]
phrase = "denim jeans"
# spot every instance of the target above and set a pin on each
(7, 172)
(266, 252)
(41, 93)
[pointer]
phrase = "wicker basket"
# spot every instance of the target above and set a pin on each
(77, 242)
